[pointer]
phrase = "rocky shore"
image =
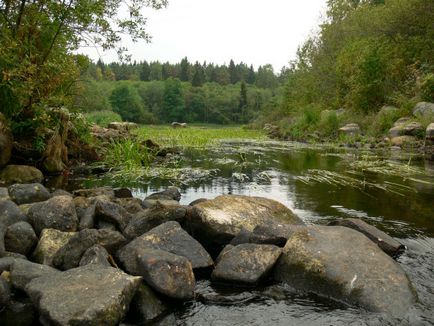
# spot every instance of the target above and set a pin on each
(102, 257)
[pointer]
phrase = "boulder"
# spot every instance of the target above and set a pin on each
(50, 241)
(113, 213)
(122, 126)
(95, 255)
(5, 293)
(151, 203)
(6, 142)
(10, 213)
(403, 141)
(21, 174)
(131, 205)
(122, 193)
(423, 109)
(19, 313)
(171, 193)
(70, 254)
(28, 193)
(350, 129)
(429, 135)
(343, 264)
(388, 109)
(169, 237)
(178, 125)
(20, 238)
(90, 295)
(61, 192)
(246, 264)
(150, 218)
(166, 273)
(56, 213)
(406, 128)
(95, 192)
(389, 245)
(217, 221)
(147, 305)
(4, 194)
(86, 217)
(23, 271)
(6, 263)
(402, 121)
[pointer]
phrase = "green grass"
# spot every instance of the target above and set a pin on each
(196, 135)
(103, 118)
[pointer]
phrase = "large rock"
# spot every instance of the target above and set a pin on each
(389, 245)
(70, 254)
(95, 192)
(166, 273)
(50, 241)
(23, 271)
(28, 193)
(6, 142)
(95, 255)
(5, 293)
(20, 238)
(343, 264)
(112, 213)
(4, 194)
(56, 213)
(404, 141)
(351, 129)
(150, 218)
(169, 237)
(423, 109)
(217, 221)
(429, 135)
(171, 193)
(89, 295)
(147, 305)
(122, 126)
(246, 263)
(21, 174)
(406, 128)
(10, 213)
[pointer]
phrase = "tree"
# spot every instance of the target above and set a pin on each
(184, 74)
(127, 103)
(198, 75)
(173, 100)
(145, 71)
(243, 103)
(251, 77)
(233, 73)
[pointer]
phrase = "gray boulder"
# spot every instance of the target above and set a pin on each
(95, 255)
(169, 237)
(21, 174)
(61, 192)
(5, 293)
(166, 273)
(131, 205)
(89, 295)
(95, 192)
(429, 135)
(4, 194)
(389, 245)
(50, 241)
(56, 213)
(10, 213)
(112, 213)
(343, 264)
(217, 221)
(351, 129)
(150, 218)
(20, 238)
(423, 109)
(246, 263)
(86, 217)
(23, 271)
(28, 193)
(147, 305)
(122, 193)
(171, 193)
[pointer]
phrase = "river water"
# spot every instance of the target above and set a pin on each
(393, 191)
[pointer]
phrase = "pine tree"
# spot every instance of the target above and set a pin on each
(145, 72)
(251, 77)
(243, 102)
(184, 74)
(198, 75)
(233, 73)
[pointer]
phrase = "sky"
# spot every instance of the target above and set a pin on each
(255, 32)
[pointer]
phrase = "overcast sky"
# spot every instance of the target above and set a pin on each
(253, 31)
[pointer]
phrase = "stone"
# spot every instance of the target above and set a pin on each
(147, 305)
(151, 203)
(171, 193)
(6, 142)
(20, 238)
(21, 174)
(351, 129)
(5, 293)
(122, 126)
(343, 264)
(131, 205)
(10, 213)
(61, 192)
(50, 241)
(19, 313)
(197, 201)
(122, 193)
(429, 135)
(389, 245)
(217, 221)
(112, 213)
(423, 109)
(166, 273)
(150, 218)
(178, 124)
(403, 141)
(96, 254)
(169, 237)
(23, 271)
(6, 263)
(86, 217)
(4, 194)
(70, 254)
(28, 193)
(246, 264)
(90, 295)
(56, 213)
(406, 127)
(94, 192)
(388, 109)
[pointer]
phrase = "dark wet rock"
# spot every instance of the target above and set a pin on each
(351, 129)
(389, 245)
(166, 273)
(6, 263)
(151, 203)
(112, 213)
(147, 305)
(28, 193)
(104, 225)
(69, 255)
(6, 141)
(217, 221)
(23, 271)
(131, 205)
(49, 243)
(169, 237)
(246, 263)
(19, 313)
(5, 293)
(87, 217)
(95, 255)
(21, 174)
(94, 192)
(171, 193)
(90, 295)
(343, 264)
(20, 238)
(56, 213)
(197, 201)
(227, 300)
(10, 213)
(423, 109)
(61, 192)
(122, 193)
(148, 219)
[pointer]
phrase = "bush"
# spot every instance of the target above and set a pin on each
(103, 118)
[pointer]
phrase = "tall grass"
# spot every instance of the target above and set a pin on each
(127, 155)
(103, 118)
